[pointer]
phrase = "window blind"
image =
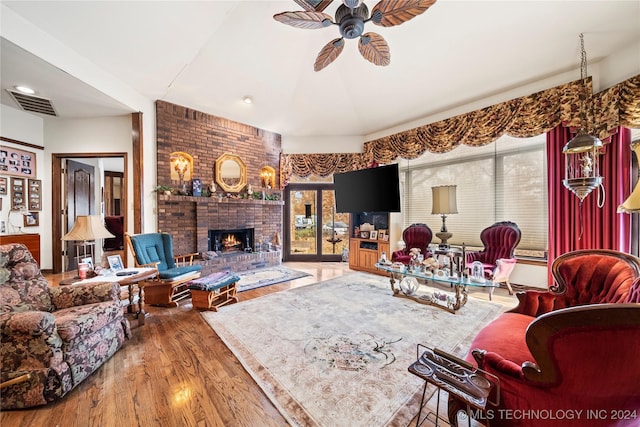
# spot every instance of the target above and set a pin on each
(505, 180)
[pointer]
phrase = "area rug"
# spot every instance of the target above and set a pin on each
(267, 276)
(336, 353)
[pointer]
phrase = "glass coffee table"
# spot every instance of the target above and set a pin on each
(450, 301)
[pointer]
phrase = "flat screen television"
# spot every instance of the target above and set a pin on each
(368, 190)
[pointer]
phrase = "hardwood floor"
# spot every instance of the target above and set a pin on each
(175, 371)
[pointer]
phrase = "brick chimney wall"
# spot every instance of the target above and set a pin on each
(206, 137)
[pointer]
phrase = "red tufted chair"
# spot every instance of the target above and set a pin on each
(572, 348)
(415, 236)
(500, 241)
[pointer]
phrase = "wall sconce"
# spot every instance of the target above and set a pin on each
(582, 171)
(632, 204)
(181, 166)
(268, 177)
(444, 203)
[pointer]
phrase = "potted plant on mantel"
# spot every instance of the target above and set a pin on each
(167, 190)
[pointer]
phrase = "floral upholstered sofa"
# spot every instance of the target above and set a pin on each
(52, 337)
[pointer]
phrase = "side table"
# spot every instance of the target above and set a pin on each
(469, 385)
(129, 277)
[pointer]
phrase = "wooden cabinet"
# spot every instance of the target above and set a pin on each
(364, 253)
(31, 241)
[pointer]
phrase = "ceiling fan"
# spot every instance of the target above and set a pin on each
(350, 18)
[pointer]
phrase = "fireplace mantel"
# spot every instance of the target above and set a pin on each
(222, 200)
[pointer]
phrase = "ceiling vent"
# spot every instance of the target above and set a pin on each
(33, 104)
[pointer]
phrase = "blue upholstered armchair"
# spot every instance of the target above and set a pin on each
(155, 250)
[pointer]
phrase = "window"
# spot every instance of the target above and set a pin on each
(502, 181)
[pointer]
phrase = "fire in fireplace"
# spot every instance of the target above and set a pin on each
(229, 241)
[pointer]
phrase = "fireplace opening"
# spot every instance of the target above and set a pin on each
(230, 241)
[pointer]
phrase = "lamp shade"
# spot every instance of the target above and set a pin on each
(632, 204)
(444, 200)
(88, 227)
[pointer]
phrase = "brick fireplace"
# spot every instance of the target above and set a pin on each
(190, 219)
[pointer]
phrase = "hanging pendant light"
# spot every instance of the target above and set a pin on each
(582, 171)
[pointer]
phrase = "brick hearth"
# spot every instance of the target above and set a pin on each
(241, 262)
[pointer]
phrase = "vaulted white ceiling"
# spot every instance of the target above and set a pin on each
(207, 55)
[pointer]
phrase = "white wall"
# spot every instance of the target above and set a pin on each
(23, 127)
(102, 135)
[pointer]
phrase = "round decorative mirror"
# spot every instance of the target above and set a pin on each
(231, 173)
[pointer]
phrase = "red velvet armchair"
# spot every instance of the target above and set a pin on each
(500, 241)
(568, 356)
(415, 236)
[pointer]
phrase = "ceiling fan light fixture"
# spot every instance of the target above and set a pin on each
(352, 4)
(351, 17)
(351, 21)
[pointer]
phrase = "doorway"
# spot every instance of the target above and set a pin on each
(313, 230)
(73, 194)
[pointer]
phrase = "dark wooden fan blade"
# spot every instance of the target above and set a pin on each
(394, 12)
(374, 49)
(329, 53)
(306, 20)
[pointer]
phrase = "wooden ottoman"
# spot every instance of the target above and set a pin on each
(213, 291)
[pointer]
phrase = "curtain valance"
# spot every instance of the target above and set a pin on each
(521, 117)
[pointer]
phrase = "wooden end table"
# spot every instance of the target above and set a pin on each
(129, 277)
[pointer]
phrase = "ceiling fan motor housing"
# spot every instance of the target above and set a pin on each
(351, 21)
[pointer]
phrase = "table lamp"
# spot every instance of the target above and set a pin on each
(87, 229)
(444, 203)
(632, 203)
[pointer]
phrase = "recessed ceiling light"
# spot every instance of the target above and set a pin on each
(247, 100)
(25, 89)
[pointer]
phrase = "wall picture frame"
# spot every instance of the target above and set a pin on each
(31, 219)
(34, 201)
(4, 185)
(18, 195)
(16, 162)
(196, 187)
